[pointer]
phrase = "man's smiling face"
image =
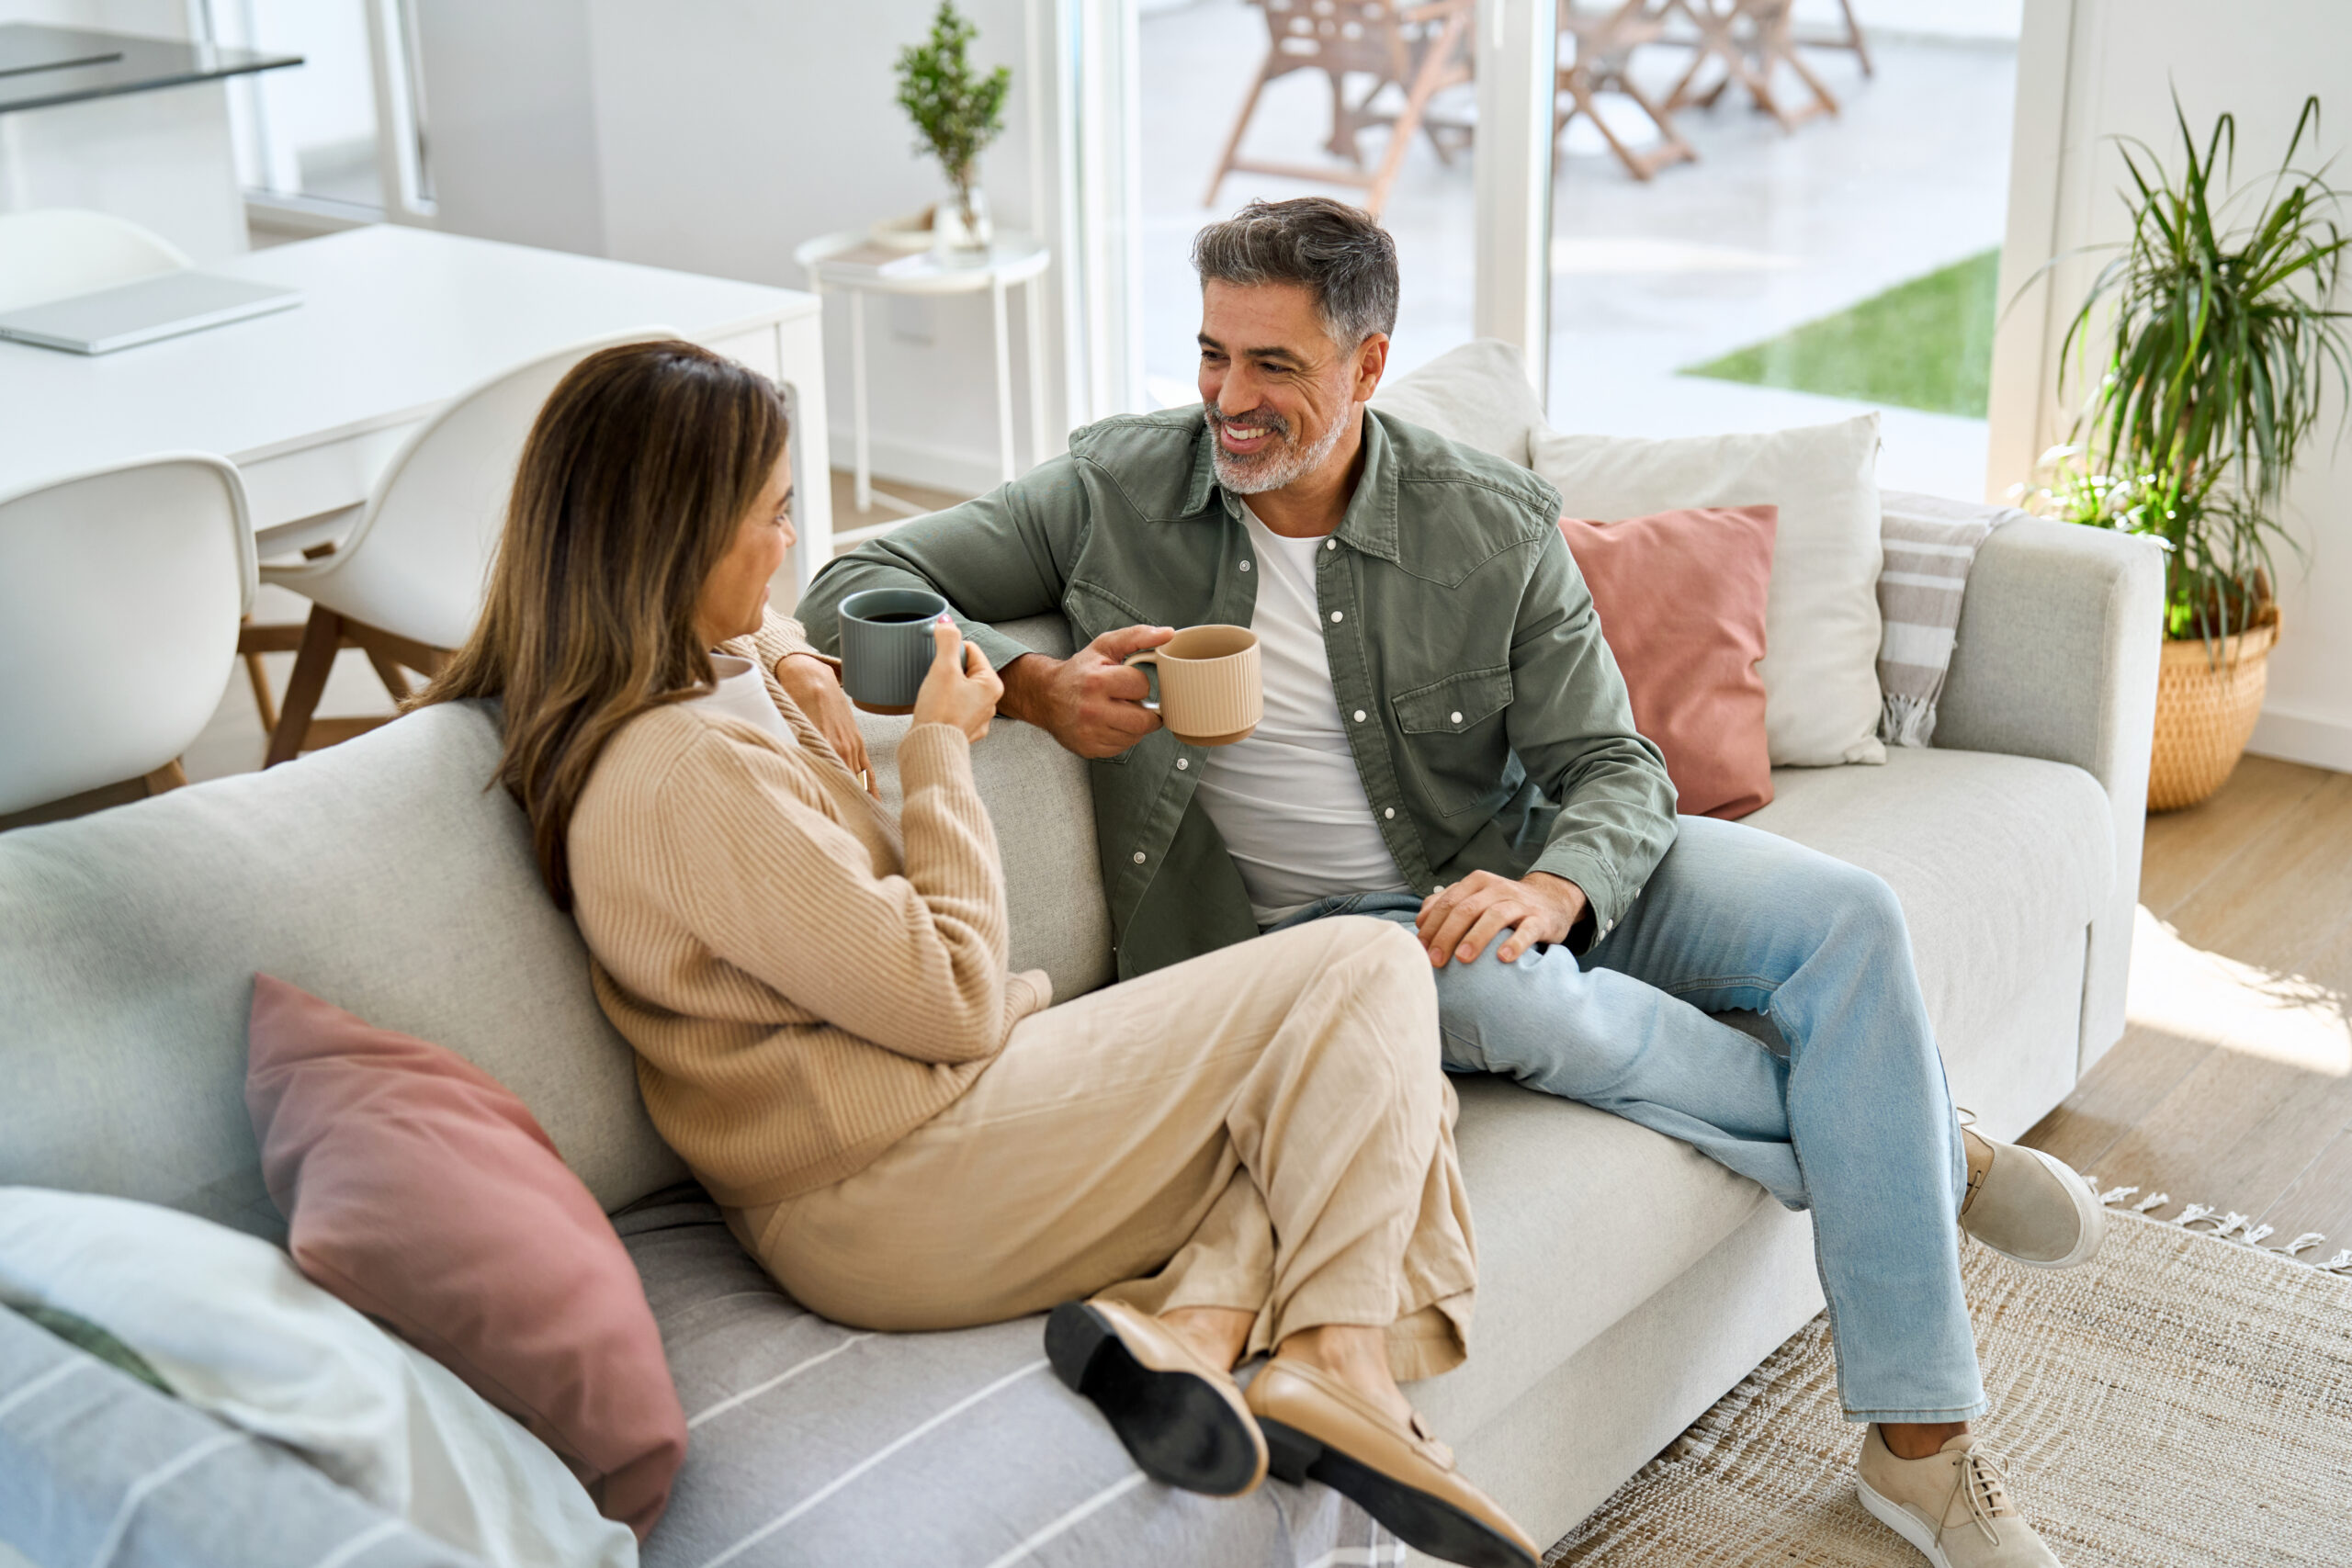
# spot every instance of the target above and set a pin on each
(1280, 392)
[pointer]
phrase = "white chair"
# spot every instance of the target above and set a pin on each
(120, 596)
(51, 253)
(403, 581)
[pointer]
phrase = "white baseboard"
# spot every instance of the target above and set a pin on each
(2298, 736)
(916, 463)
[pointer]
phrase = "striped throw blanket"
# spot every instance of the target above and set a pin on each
(1931, 544)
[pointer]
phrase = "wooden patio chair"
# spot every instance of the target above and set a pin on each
(1422, 47)
(1750, 40)
(1604, 44)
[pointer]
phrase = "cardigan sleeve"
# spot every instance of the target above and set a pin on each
(780, 636)
(914, 964)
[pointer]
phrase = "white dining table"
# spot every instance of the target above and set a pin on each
(309, 403)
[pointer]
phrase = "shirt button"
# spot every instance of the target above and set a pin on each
(1454, 718)
(1183, 763)
(1245, 566)
(1359, 716)
(1337, 616)
(1388, 811)
(1138, 857)
(1330, 544)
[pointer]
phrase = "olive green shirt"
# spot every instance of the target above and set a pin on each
(1489, 721)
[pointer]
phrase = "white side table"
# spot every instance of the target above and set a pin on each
(1014, 258)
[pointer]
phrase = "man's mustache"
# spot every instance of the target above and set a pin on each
(1267, 418)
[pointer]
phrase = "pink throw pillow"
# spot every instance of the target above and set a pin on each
(422, 1192)
(1680, 596)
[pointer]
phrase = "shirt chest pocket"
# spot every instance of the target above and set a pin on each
(1453, 736)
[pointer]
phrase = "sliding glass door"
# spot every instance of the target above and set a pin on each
(1434, 114)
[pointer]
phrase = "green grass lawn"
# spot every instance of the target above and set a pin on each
(1926, 345)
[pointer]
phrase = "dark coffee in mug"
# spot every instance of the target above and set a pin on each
(887, 647)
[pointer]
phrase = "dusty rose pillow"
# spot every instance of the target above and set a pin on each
(421, 1191)
(1681, 601)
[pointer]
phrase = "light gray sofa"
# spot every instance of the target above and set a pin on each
(1625, 1282)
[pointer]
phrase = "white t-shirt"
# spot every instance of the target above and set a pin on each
(1287, 801)
(742, 694)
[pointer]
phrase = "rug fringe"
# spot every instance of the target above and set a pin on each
(2227, 1225)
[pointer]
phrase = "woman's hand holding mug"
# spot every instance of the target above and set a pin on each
(958, 691)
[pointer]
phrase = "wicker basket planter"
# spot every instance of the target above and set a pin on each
(2207, 701)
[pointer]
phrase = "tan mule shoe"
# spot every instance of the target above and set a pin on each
(1180, 1420)
(1318, 1427)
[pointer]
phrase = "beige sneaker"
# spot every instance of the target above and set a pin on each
(2028, 1207)
(1953, 1505)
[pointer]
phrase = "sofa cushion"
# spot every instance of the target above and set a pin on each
(820, 1445)
(1821, 613)
(1680, 597)
(1581, 1217)
(2000, 863)
(1041, 802)
(420, 1190)
(95, 1466)
(235, 1331)
(1478, 394)
(381, 873)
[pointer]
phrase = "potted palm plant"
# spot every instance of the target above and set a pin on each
(958, 112)
(2217, 338)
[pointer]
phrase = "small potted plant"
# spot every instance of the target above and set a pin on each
(958, 112)
(2220, 339)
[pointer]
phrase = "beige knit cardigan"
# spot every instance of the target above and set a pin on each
(805, 979)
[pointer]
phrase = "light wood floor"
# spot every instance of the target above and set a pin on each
(2233, 1087)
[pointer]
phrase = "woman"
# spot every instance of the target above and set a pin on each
(1249, 1151)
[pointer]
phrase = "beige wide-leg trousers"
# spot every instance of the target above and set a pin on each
(1264, 1128)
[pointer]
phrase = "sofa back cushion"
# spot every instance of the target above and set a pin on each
(1041, 801)
(381, 873)
(384, 875)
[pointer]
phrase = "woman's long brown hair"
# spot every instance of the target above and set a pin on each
(636, 475)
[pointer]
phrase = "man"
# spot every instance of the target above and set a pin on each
(1448, 743)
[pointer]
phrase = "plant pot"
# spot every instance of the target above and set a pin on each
(961, 235)
(2207, 701)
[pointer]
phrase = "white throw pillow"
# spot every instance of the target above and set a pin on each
(1477, 394)
(1821, 619)
(229, 1321)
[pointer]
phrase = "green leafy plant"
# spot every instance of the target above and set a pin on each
(958, 112)
(2218, 343)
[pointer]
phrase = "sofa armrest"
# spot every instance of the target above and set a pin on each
(2058, 644)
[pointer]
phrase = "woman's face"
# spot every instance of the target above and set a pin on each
(736, 592)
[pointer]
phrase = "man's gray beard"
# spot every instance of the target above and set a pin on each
(1273, 470)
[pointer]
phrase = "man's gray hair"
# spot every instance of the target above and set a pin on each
(1328, 246)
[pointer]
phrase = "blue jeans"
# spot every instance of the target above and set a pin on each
(1854, 1121)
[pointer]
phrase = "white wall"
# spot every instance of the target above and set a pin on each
(715, 136)
(2092, 69)
(732, 132)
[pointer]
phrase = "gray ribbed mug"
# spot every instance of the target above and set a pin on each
(887, 645)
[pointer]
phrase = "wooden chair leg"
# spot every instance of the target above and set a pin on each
(1427, 79)
(1854, 38)
(266, 705)
(1240, 125)
(389, 671)
(170, 776)
(322, 637)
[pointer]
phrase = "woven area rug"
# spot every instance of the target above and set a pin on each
(2181, 1401)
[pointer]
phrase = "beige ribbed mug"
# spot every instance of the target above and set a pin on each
(1209, 690)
